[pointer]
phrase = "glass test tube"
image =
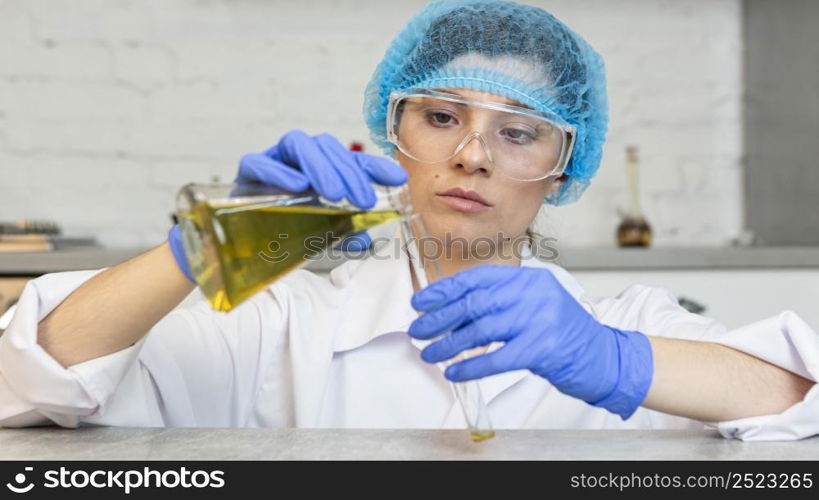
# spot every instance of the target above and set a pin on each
(468, 393)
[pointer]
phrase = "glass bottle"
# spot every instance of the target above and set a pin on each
(634, 230)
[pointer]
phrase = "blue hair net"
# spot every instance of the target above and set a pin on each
(516, 51)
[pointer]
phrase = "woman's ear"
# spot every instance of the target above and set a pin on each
(557, 184)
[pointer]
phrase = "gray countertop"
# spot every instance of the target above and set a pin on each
(71, 259)
(688, 258)
(575, 259)
(101, 443)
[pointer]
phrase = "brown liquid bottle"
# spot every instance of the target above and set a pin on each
(634, 230)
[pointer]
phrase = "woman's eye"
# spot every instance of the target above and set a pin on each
(438, 118)
(518, 136)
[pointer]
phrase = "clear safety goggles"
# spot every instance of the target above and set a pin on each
(432, 127)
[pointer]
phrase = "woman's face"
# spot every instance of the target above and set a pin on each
(510, 205)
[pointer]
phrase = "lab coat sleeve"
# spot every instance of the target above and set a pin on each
(787, 341)
(784, 340)
(195, 367)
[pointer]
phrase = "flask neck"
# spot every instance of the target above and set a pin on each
(632, 171)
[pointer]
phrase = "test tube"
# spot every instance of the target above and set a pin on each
(468, 393)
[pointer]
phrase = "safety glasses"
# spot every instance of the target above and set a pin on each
(434, 126)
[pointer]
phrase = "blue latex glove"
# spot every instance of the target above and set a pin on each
(299, 162)
(175, 242)
(544, 330)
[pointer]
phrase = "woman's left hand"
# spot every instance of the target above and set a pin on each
(544, 330)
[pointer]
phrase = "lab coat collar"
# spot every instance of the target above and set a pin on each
(377, 291)
(383, 282)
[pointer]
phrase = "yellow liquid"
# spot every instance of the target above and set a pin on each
(479, 436)
(236, 251)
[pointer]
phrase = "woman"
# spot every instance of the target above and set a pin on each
(490, 108)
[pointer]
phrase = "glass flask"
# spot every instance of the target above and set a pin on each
(240, 238)
(634, 230)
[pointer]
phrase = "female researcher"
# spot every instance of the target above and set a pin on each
(490, 108)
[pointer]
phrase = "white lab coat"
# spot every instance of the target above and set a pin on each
(317, 352)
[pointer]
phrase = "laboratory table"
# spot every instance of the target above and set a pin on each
(103, 443)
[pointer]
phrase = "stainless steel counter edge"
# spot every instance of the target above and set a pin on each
(106, 443)
(575, 259)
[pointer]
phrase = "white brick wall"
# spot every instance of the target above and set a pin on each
(108, 106)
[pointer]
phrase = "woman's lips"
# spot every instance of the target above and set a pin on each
(464, 201)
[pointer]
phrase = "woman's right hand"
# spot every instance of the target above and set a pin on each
(300, 162)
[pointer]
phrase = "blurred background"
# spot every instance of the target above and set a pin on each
(107, 107)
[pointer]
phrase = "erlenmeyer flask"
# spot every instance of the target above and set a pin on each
(427, 270)
(240, 238)
(634, 230)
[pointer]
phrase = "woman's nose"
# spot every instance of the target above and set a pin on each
(474, 156)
